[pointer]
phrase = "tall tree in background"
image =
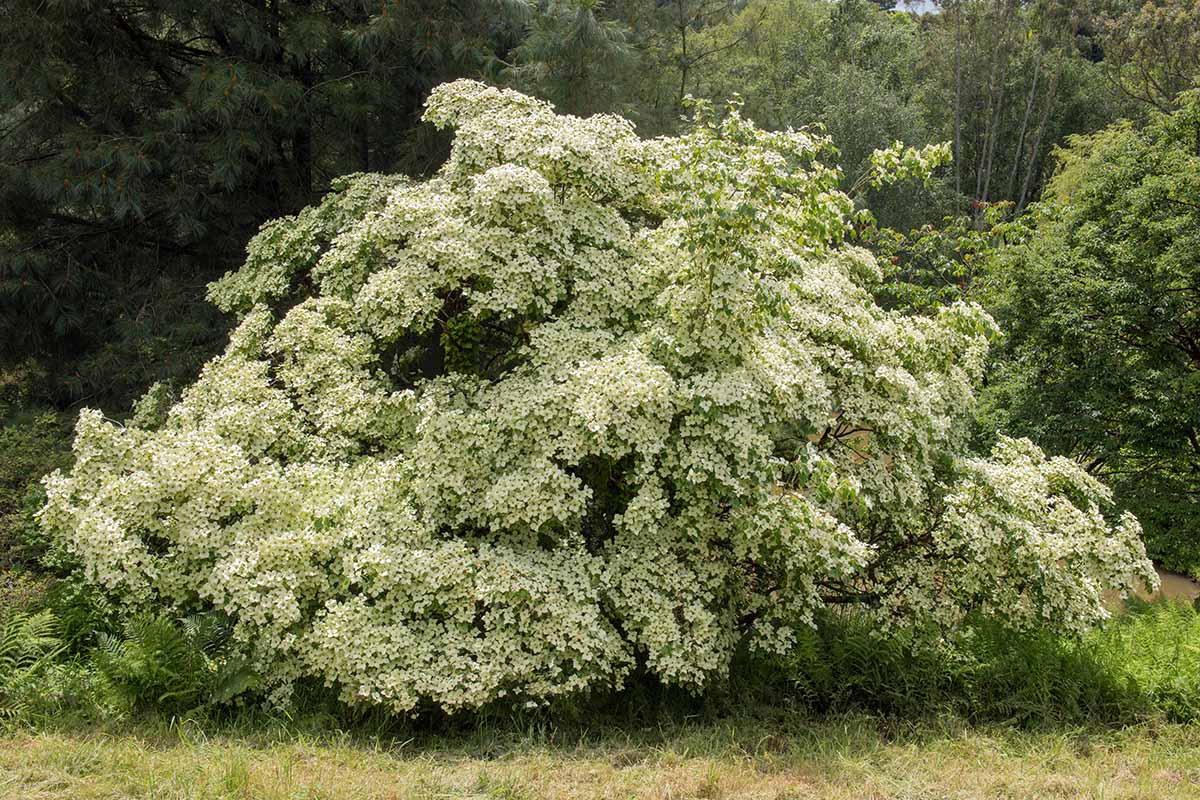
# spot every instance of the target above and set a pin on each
(1101, 306)
(847, 66)
(683, 21)
(141, 143)
(576, 56)
(1007, 81)
(1152, 49)
(1004, 81)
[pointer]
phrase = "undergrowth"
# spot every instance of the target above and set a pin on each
(76, 662)
(1144, 663)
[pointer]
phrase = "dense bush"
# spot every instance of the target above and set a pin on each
(580, 405)
(169, 665)
(987, 671)
(151, 663)
(1157, 649)
(28, 643)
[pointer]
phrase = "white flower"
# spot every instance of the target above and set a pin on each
(693, 427)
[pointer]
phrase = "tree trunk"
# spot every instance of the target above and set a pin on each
(1016, 165)
(683, 52)
(958, 99)
(994, 138)
(1037, 139)
(989, 113)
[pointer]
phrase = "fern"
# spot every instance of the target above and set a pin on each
(174, 665)
(28, 642)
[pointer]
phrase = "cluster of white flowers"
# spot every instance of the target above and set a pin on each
(578, 405)
(898, 162)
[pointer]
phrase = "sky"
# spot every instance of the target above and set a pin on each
(917, 6)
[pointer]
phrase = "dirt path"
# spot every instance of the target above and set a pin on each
(1176, 586)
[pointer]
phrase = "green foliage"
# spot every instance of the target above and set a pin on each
(1101, 307)
(1156, 648)
(1032, 678)
(1143, 663)
(1152, 49)
(142, 143)
(848, 68)
(32, 443)
(986, 672)
(1002, 81)
(575, 56)
(170, 665)
(47, 636)
(1007, 80)
(28, 643)
(82, 614)
(21, 590)
(932, 266)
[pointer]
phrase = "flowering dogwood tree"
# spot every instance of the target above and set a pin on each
(577, 405)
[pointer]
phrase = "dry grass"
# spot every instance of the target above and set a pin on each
(853, 758)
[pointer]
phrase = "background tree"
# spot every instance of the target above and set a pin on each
(846, 67)
(577, 57)
(872, 77)
(141, 143)
(1101, 306)
(1152, 49)
(1005, 82)
(681, 21)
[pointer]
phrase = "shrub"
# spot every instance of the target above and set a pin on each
(21, 590)
(579, 405)
(984, 670)
(175, 666)
(1140, 664)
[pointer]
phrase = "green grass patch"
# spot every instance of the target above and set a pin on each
(787, 756)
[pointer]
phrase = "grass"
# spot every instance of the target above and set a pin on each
(785, 756)
(849, 714)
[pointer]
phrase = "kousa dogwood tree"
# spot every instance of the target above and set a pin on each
(579, 405)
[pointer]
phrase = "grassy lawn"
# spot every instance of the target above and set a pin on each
(848, 757)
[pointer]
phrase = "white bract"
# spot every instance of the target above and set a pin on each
(580, 404)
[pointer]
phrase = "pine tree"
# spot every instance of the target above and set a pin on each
(142, 142)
